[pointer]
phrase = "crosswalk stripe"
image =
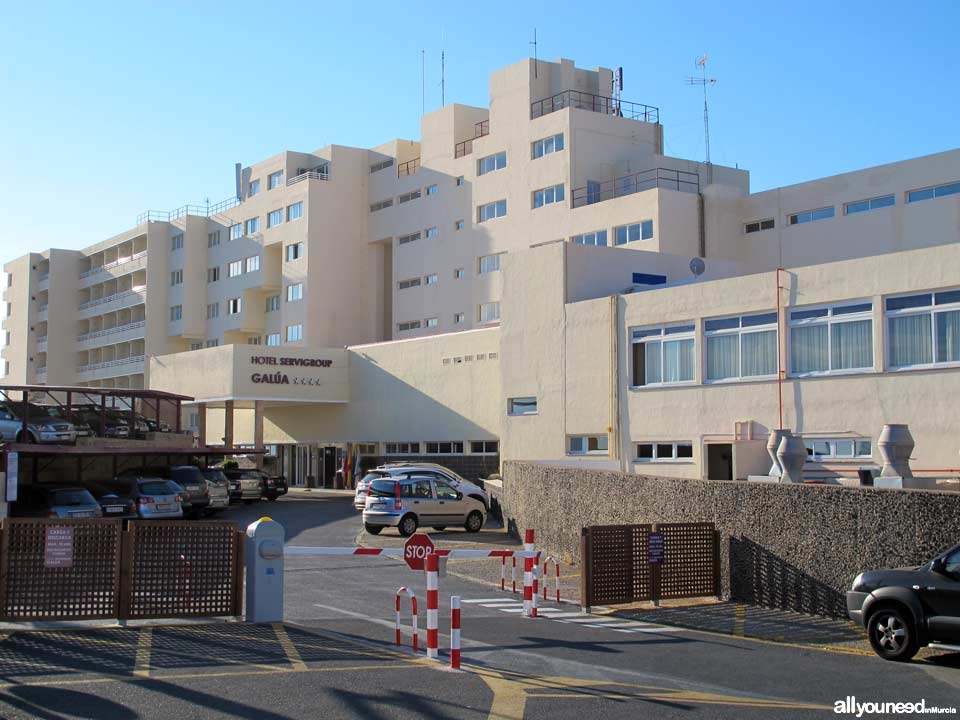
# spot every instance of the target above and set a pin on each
(484, 600)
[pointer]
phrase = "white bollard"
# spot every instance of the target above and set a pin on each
(264, 566)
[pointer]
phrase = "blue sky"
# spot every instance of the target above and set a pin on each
(110, 109)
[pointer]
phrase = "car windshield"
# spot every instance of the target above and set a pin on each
(383, 488)
(215, 476)
(71, 497)
(186, 475)
(371, 476)
(156, 487)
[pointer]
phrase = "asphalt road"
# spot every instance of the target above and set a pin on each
(334, 657)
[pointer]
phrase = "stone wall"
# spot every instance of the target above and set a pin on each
(789, 546)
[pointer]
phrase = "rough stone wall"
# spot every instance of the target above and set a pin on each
(795, 547)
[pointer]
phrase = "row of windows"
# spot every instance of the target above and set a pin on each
(486, 313)
(274, 180)
(622, 234)
(548, 196)
(238, 267)
(251, 226)
(407, 196)
(439, 447)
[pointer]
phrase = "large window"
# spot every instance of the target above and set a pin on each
(254, 187)
(598, 237)
(295, 211)
(484, 447)
(253, 226)
(491, 163)
(273, 303)
(274, 180)
(548, 196)
(213, 311)
(444, 448)
(273, 339)
(213, 239)
(838, 448)
(294, 333)
(664, 452)
(633, 232)
(522, 406)
(234, 306)
(547, 145)
(587, 445)
(176, 242)
(741, 347)
(489, 263)
(382, 165)
(235, 268)
(871, 204)
(489, 312)
(295, 292)
(409, 283)
(933, 192)
(663, 355)
(923, 329)
(402, 448)
(491, 211)
(811, 216)
(836, 338)
(176, 277)
(294, 251)
(383, 204)
(213, 274)
(236, 231)
(176, 312)
(253, 263)
(274, 218)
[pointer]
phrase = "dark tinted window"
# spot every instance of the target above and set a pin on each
(71, 497)
(215, 476)
(382, 488)
(156, 487)
(187, 475)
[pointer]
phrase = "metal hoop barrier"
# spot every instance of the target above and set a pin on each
(454, 632)
(433, 604)
(556, 575)
(413, 602)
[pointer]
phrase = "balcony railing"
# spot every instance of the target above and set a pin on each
(110, 265)
(41, 370)
(315, 174)
(410, 167)
(110, 331)
(595, 103)
(207, 210)
(480, 129)
(110, 363)
(43, 308)
(43, 277)
(110, 298)
(638, 182)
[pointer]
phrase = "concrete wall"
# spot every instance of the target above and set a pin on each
(796, 547)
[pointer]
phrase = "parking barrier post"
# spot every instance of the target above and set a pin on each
(455, 632)
(413, 603)
(536, 593)
(503, 574)
(433, 604)
(513, 575)
(546, 575)
(528, 545)
(264, 565)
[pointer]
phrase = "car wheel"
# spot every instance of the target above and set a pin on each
(892, 634)
(440, 528)
(408, 525)
(474, 522)
(373, 529)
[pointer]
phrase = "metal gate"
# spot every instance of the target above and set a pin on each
(96, 570)
(632, 563)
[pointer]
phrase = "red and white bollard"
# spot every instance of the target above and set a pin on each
(433, 604)
(528, 563)
(503, 574)
(513, 575)
(413, 601)
(556, 565)
(536, 592)
(454, 632)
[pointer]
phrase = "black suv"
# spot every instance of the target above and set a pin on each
(906, 608)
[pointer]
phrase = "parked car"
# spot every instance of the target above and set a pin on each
(425, 499)
(64, 503)
(904, 609)
(154, 425)
(195, 497)
(271, 486)
(219, 488)
(430, 469)
(112, 427)
(41, 427)
(155, 498)
(112, 503)
(245, 485)
(60, 414)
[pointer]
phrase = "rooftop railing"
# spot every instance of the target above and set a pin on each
(410, 167)
(637, 182)
(480, 129)
(595, 103)
(207, 210)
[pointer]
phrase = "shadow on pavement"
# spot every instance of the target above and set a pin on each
(50, 703)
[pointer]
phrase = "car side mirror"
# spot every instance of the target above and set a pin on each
(938, 566)
(459, 495)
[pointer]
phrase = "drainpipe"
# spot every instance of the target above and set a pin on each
(613, 443)
(781, 338)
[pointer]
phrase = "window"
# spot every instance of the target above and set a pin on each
(593, 192)
(294, 251)
(431, 232)
(381, 205)
(664, 451)
(213, 343)
(663, 355)
(294, 333)
(254, 340)
(273, 303)
(404, 239)
(831, 339)
(236, 231)
(488, 263)
(491, 163)
(811, 216)
(176, 242)
(838, 448)
(459, 274)
(176, 277)
(548, 145)
(274, 218)
(741, 347)
(598, 238)
(213, 311)
(253, 226)
(253, 263)
(923, 329)
(176, 312)
(401, 448)
(235, 268)
(409, 325)
(485, 447)
(444, 448)
(254, 188)
(196, 346)
(631, 233)
(430, 323)
(933, 192)
(587, 445)
(366, 448)
(295, 211)
(458, 181)
(407, 197)
(548, 196)
(382, 165)
(458, 318)
(758, 225)
(458, 225)
(295, 292)
(491, 210)
(871, 204)
(234, 306)
(275, 180)
(213, 239)
(430, 280)
(412, 282)
(522, 406)
(489, 312)
(432, 190)
(273, 339)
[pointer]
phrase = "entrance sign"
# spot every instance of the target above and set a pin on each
(13, 465)
(58, 547)
(655, 548)
(416, 549)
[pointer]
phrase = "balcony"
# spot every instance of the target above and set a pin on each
(93, 367)
(110, 265)
(41, 372)
(42, 313)
(411, 167)
(43, 281)
(41, 343)
(321, 172)
(480, 129)
(595, 103)
(664, 178)
(108, 332)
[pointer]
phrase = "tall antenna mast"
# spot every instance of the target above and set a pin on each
(535, 61)
(704, 81)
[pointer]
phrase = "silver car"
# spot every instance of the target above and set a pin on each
(402, 469)
(158, 499)
(219, 489)
(64, 503)
(41, 428)
(424, 500)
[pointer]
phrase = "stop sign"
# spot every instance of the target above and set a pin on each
(416, 549)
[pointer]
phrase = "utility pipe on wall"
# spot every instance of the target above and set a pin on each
(781, 339)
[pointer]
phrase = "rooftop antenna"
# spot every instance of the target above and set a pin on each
(704, 81)
(616, 88)
(535, 61)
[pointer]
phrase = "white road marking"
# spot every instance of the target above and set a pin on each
(636, 630)
(486, 600)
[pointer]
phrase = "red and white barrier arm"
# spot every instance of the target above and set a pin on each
(413, 601)
(455, 632)
(398, 552)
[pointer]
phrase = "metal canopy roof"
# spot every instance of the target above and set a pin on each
(109, 392)
(83, 451)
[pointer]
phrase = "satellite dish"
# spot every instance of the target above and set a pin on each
(697, 266)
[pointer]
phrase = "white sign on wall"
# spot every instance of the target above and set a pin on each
(13, 464)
